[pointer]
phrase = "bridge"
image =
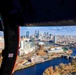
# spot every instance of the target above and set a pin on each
(69, 56)
(74, 57)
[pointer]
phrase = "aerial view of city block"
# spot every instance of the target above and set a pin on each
(46, 50)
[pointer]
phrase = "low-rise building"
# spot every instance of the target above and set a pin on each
(41, 43)
(21, 52)
(55, 50)
(37, 59)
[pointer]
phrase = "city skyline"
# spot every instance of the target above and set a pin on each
(55, 30)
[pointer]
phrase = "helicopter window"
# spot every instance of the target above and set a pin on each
(44, 49)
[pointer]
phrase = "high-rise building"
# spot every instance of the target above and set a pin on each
(27, 34)
(50, 35)
(55, 39)
(22, 45)
(36, 34)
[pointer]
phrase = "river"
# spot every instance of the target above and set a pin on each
(38, 69)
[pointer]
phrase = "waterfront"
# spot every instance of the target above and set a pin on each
(39, 68)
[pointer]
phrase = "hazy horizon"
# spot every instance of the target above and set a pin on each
(55, 30)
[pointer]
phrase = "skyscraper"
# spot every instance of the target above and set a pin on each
(36, 34)
(55, 39)
(27, 34)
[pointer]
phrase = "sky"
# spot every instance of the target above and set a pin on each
(55, 30)
(1, 33)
